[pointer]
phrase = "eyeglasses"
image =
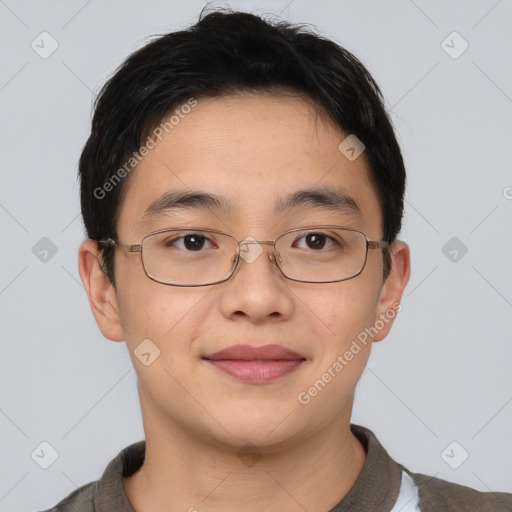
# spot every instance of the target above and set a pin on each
(202, 257)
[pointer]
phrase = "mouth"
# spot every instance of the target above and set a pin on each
(256, 364)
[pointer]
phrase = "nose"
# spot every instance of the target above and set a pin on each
(257, 291)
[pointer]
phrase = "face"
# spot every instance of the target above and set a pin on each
(251, 150)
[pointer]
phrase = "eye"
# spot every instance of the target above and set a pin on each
(317, 240)
(192, 242)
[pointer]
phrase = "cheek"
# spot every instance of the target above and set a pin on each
(167, 315)
(344, 311)
(161, 325)
(341, 317)
(339, 356)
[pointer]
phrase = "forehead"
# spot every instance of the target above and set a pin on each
(255, 153)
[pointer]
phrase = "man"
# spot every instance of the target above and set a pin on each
(242, 191)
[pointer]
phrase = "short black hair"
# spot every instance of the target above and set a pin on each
(227, 52)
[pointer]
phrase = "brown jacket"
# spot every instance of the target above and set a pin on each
(376, 489)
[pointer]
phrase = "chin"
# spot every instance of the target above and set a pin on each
(270, 428)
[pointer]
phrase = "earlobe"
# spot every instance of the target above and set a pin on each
(100, 291)
(393, 288)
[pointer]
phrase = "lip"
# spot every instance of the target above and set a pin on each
(256, 364)
(251, 353)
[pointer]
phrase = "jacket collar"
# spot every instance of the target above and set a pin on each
(378, 484)
(376, 488)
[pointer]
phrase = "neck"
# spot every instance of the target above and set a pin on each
(181, 472)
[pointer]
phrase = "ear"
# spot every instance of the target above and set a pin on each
(100, 291)
(393, 288)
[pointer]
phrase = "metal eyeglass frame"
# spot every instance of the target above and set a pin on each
(370, 244)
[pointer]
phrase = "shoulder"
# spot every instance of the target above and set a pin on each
(80, 500)
(107, 493)
(436, 494)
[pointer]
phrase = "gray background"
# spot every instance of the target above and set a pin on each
(443, 375)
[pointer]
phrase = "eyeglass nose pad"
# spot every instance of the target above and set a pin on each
(273, 256)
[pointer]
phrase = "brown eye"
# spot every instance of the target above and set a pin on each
(314, 240)
(193, 242)
(317, 241)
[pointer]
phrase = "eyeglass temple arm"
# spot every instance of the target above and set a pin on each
(377, 245)
(125, 248)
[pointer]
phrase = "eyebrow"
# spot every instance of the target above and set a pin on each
(328, 198)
